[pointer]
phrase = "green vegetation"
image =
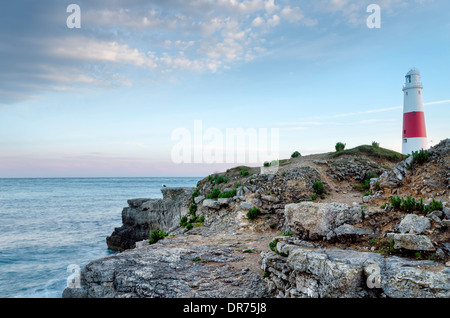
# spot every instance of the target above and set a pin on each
(273, 247)
(410, 205)
(375, 145)
(193, 209)
(433, 206)
(228, 194)
(288, 234)
(296, 154)
(371, 151)
(365, 184)
(253, 213)
(339, 146)
(194, 195)
(215, 194)
(420, 157)
(157, 235)
(217, 179)
(382, 245)
(266, 164)
(318, 187)
(183, 221)
(244, 172)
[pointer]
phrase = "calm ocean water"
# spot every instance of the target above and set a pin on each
(48, 224)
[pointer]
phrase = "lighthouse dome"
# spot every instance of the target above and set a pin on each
(413, 71)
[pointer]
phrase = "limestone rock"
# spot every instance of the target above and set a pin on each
(211, 204)
(412, 242)
(142, 216)
(414, 223)
(315, 273)
(347, 232)
(315, 220)
(160, 271)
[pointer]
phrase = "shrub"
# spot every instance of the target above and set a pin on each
(396, 201)
(215, 194)
(244, 172)
(434, 205)
(253, 213)
(314, 197)
(318, 187)
(194, 195)
(339, 146)
(183, 221)
(409, 205)
(420, 157)
(296, 154)
(375, 144)
(193, 209)
(228, 194)
(216, 179)
(189, 226)
(157, 235)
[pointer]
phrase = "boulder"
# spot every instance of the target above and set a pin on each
(411, 242)
(245, 206)
(350, 233)
(315, 220)
(413, 223)
(211, 204)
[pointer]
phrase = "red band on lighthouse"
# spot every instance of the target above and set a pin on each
(414, 125)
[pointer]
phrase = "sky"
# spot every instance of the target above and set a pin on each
(167, 88)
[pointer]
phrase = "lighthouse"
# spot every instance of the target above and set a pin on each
(414, 132)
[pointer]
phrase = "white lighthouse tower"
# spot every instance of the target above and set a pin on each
(414, 131)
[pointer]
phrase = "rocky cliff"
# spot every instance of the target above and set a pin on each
(142, 216)
(377, 227)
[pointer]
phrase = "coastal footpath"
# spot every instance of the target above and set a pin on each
(359, 223)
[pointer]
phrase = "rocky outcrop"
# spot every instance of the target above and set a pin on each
(142, 216)
(342, 243)
(333, 273)
(176, 267)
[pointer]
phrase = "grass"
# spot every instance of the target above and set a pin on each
(371, 151)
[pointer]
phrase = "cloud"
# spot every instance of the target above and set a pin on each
(324, 120)
(146, 38)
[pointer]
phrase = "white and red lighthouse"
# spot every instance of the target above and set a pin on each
(414, 131)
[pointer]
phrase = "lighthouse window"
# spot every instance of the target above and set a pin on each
(406, 93)
(419, 92)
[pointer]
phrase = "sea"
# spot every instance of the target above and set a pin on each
(48, 226)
